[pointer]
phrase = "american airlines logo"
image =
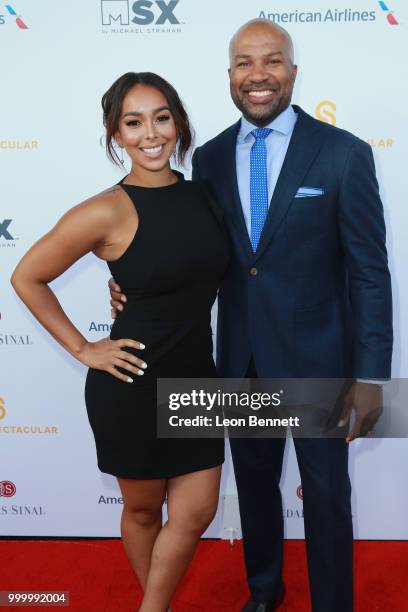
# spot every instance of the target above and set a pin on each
(20, 23)
(331, 15)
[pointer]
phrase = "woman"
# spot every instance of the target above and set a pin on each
(162, 240)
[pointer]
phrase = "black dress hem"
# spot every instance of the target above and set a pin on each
(107, 470)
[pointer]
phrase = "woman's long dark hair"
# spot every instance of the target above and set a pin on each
(112, 107)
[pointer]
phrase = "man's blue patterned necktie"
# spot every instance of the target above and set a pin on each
(258, 184)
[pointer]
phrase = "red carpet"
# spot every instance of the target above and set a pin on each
(97, 575)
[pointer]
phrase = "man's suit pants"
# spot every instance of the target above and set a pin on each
(323, 466)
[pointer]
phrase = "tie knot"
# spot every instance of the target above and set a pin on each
(261, 133)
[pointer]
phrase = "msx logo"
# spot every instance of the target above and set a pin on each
(119, 11)
(4, 229)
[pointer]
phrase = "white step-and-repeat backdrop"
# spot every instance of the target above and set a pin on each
(58, 60)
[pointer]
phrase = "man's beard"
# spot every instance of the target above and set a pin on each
(262, 115)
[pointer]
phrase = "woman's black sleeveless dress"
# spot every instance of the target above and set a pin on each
(170, 274)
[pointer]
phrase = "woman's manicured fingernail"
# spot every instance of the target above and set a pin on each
(142, 346)
(140, 373)
(123, 298)
(130, 379)
(143, 365)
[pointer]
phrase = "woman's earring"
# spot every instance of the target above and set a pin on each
(119, 154)
(122, 161)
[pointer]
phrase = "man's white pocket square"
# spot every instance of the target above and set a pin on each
(309, 192)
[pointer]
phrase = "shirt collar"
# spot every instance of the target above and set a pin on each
(283, 123)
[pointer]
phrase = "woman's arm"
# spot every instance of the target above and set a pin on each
(81, 230)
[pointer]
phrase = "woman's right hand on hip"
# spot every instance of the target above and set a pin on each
(107, 355)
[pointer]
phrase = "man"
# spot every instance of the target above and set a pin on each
(307, 295)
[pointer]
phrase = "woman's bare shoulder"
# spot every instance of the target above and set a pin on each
(103, 205)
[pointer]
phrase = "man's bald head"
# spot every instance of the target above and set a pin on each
(264, 26)
(262, 72)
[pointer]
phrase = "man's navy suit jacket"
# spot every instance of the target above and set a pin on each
(314, 300)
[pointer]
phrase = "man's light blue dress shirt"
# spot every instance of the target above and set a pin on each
(276, 146)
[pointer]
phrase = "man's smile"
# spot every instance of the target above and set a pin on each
(260, 96)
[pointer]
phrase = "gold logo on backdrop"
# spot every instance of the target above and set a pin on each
(19, 145)
(23, 429)
(2, 408)
(324, 112)
(380, 143)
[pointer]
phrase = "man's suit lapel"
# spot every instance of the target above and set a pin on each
(304, 145)
(228, 165)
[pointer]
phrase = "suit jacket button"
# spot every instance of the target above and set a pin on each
(254, 271)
